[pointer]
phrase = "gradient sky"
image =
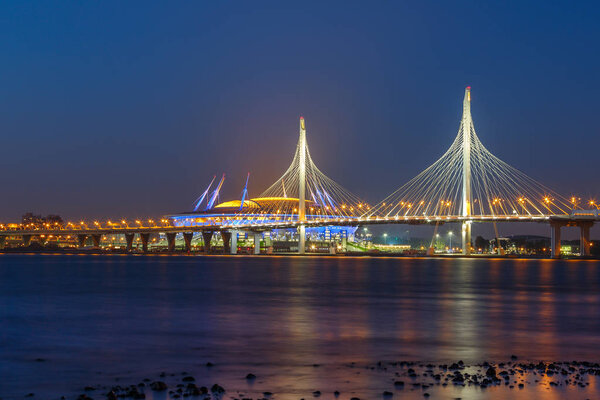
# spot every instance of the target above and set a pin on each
(129, 108)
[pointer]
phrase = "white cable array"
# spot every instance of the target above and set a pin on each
(497, 189)
(324, 197)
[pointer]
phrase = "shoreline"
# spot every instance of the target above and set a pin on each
(97, 252)
(406, 379)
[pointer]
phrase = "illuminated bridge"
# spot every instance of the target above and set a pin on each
(466, 184)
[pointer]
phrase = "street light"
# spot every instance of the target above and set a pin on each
(385, 238)
(450, 236)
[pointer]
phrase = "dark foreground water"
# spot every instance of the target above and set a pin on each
(103, 320)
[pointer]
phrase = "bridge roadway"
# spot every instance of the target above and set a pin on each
(582, 219)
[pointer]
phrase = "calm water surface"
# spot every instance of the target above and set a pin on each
(99, 319)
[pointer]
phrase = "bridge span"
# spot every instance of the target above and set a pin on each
(466, 185)
(229, 228)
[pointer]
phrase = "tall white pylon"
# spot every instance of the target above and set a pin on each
(466, 125)
(469, 182)
(302, 188)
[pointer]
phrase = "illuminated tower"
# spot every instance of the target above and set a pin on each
(302, 187)
(467, 129)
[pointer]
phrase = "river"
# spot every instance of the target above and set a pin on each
(297, 323)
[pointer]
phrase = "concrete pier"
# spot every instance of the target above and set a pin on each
(187, 238)
(171, 240)
(226, 236)
(207, 237)
(584, 239)
(234, 242)
(555, 238)
(145, 237)
(129, 240)
(81, 240)
(96, 239)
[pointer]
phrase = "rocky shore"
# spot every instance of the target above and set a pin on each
(420, 379)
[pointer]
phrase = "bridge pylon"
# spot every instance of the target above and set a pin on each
(466, 128)
(302, 188)
(468, 183)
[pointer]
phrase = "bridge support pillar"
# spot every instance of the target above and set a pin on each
(171, 240)
(234, 242)
(2, 241)
(226, 236)
(129, 241)
(187, 238)
(301, 239)
(584, 239)
(257, 237)
(466, 238)
(207, 237)
(81, 240)
(96, 239)
(42, 239)
(26, 240)
(555, 239)
(145, 237)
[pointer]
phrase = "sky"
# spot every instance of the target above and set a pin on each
(128, 109)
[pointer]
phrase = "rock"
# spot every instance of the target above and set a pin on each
(158, 386)
(266, 394)
(209, 364)
(250, 376)
(216, 389)
(316, 393)
(491, 372)
(387, 394)
(513, 357)
(399, 383)
(40, 359)
(336, 393)
(111, 395)
(29, 395)
(458, 378)
(189, 379)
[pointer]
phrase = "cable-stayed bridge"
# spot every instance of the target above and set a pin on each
(466, 184)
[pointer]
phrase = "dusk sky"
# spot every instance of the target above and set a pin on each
(127, 109)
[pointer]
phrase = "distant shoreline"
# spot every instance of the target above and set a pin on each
(97, 252)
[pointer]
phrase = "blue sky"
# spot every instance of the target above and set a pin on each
(129, 108)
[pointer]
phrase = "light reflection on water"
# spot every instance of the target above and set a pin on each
(95, 318)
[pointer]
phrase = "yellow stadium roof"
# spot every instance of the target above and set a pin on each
(258, 202)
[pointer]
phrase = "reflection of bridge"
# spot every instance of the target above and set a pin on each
(467, 184)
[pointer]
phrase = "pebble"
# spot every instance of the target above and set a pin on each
(487, 374)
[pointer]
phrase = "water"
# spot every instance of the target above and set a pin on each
(101, 320)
